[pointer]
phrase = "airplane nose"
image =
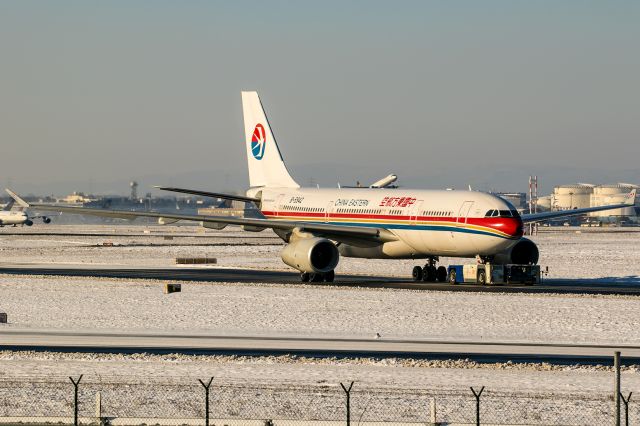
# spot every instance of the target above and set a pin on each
(519, 228)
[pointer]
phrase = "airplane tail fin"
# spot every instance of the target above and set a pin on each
(631, 198)
(266, 167)
(8, 206)
(22, 203)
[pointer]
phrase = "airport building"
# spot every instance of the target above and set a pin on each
(518, 199)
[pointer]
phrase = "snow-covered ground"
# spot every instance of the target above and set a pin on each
(78, 303)
(572, 253)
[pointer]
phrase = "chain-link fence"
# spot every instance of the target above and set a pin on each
(178, 401)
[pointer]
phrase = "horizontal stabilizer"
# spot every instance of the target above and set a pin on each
(209, 194)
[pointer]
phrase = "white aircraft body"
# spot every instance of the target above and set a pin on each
(320, 225)
(10, 216)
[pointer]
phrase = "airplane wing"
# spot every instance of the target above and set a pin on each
(209, 194)
(538, 217)
(356, 235)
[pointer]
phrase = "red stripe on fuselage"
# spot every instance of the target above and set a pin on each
(508, 225)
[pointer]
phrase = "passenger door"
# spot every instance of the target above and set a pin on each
(415, 212)
(279, 207)
(328, 211)
(463, 213)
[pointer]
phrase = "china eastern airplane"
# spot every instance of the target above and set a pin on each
(9, 216)
(320, 225)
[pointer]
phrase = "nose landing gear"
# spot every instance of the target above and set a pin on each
(317, 277)
(430, 273)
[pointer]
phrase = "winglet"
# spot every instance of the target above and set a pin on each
(20, 201)
(631, 198)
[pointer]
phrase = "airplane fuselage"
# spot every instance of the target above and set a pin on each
(13, 218)
(426, 222)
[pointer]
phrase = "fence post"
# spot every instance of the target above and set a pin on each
(477, 395)
(626, 407)
(616, 391)
(75, 399)
(99, 406)
(348, 392)
(433, 418)
(432, 411)
(206, 400)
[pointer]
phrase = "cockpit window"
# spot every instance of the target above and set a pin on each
(502, 213)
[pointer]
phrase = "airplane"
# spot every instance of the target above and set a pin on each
(320, 225)
(8, 216)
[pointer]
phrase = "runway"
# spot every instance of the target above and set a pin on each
(343, 347)
(216, 274)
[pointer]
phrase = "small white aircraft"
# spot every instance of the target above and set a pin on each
(320, 225)
(18, 216)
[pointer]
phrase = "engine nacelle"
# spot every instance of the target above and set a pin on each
(524, 252)
(165, 221)
(311, 255)
(28, 222)
(46, 219)
(213, 225)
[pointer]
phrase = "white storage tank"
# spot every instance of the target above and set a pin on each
(612, 194)
(544, 203)
(575, 196)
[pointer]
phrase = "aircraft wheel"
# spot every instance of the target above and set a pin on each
(441, 274)
(482, 278)
(417, 273)
(452, 277)
(304, 277)
(429, 274)
(329, 276)
(316, 278)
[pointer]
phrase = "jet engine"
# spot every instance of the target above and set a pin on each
(313, 255)
(46, 219)
(214, 225)
(523, 252)
(28, 222)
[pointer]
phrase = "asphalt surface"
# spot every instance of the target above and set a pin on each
(268, 345)
(216, 274)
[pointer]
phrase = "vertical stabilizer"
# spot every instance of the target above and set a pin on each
(266, 167)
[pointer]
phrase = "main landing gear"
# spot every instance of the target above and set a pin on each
(430, 273)
(317, 277)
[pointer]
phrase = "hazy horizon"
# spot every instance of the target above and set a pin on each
(444, 94)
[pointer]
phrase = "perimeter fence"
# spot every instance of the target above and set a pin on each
(93, 400)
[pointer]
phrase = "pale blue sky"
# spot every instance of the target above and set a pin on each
(93, 94)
